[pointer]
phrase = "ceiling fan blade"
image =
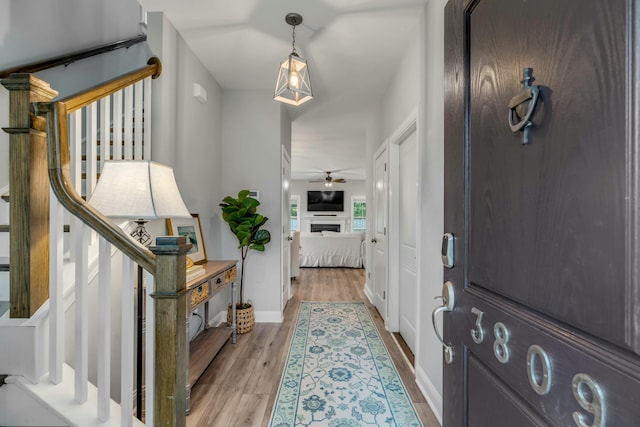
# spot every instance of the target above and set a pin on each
(340, 180)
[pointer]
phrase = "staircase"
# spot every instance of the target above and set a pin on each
(59, 360)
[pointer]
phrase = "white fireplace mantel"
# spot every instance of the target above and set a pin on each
(341, 219)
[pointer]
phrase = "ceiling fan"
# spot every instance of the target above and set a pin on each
(328, 180)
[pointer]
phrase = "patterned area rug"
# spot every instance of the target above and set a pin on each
(339, 374)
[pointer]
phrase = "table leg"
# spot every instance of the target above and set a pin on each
(233, 313)
(188, 393)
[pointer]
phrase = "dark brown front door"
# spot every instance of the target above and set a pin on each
(546, 218)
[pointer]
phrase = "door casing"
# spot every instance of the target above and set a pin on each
(412, 123)
(380, 225)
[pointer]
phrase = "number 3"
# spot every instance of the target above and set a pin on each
(477, 334)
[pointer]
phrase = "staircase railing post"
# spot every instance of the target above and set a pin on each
(170, 331)
(29, 192)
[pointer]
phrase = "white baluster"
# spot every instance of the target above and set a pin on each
(117, 125)
(81, 353)
(105, 130)
(137, 130)
(91, 152)
(104, 331)
(150, 342)
(128, 122)
(75, 169)
(147, 118)
(127, 344)
(56, 299)
(91, 138)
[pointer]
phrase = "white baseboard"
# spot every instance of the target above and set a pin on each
(430, 392)
(368, 293)
(218, 319)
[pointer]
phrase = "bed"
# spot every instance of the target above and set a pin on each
(331, 249)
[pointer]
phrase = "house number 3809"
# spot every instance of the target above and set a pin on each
(586, 390)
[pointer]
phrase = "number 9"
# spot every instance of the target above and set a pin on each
(589, 395)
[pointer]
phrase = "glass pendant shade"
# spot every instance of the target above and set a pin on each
(293, 85)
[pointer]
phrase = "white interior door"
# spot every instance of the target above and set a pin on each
(408, 278)
(379, 242)
(286, 230)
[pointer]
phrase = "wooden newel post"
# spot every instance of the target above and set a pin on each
(170, 331)
(29, 192)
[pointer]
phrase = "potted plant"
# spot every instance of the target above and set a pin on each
(245, 223)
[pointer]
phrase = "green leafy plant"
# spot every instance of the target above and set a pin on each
(245, 222)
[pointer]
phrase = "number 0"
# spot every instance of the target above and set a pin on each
(540, 381)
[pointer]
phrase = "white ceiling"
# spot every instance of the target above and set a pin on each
(352, 47)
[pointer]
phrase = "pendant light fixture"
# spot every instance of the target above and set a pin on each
(293, 85)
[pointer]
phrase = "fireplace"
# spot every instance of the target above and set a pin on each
(324, 222)
(325, 227)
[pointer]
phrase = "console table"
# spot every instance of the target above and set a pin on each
(205, 345)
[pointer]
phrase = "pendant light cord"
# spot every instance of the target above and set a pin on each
(294, 39)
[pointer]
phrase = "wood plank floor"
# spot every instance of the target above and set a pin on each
(239, 387)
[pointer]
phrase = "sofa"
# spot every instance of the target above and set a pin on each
(332, 249)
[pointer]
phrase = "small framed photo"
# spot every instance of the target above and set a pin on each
(192, 230)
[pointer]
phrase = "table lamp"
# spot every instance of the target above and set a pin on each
(139, 191)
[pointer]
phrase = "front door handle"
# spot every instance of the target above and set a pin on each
(448, 303)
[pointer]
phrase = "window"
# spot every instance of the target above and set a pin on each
(358, 213)
(294, 210)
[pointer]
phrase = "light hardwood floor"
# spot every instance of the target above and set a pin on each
(240, 386)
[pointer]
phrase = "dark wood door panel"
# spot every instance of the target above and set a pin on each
(571, 357)
(547, 219)
(502, 410)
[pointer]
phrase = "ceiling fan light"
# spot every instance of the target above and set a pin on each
(293, 85)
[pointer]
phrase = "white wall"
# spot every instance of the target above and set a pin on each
(251, 148)
(187, 135)
(429, 362)
(419, 82)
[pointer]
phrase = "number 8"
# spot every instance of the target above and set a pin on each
(500, 348)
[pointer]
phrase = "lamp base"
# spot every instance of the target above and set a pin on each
(140, 233)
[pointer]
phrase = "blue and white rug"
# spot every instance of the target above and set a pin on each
(339, 374)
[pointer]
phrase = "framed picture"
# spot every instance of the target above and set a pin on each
(192, 230)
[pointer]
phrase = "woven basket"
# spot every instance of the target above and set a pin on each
(244, 319)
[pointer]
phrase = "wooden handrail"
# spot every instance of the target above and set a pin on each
(59, 157)
(91, 95)
(70, 58)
